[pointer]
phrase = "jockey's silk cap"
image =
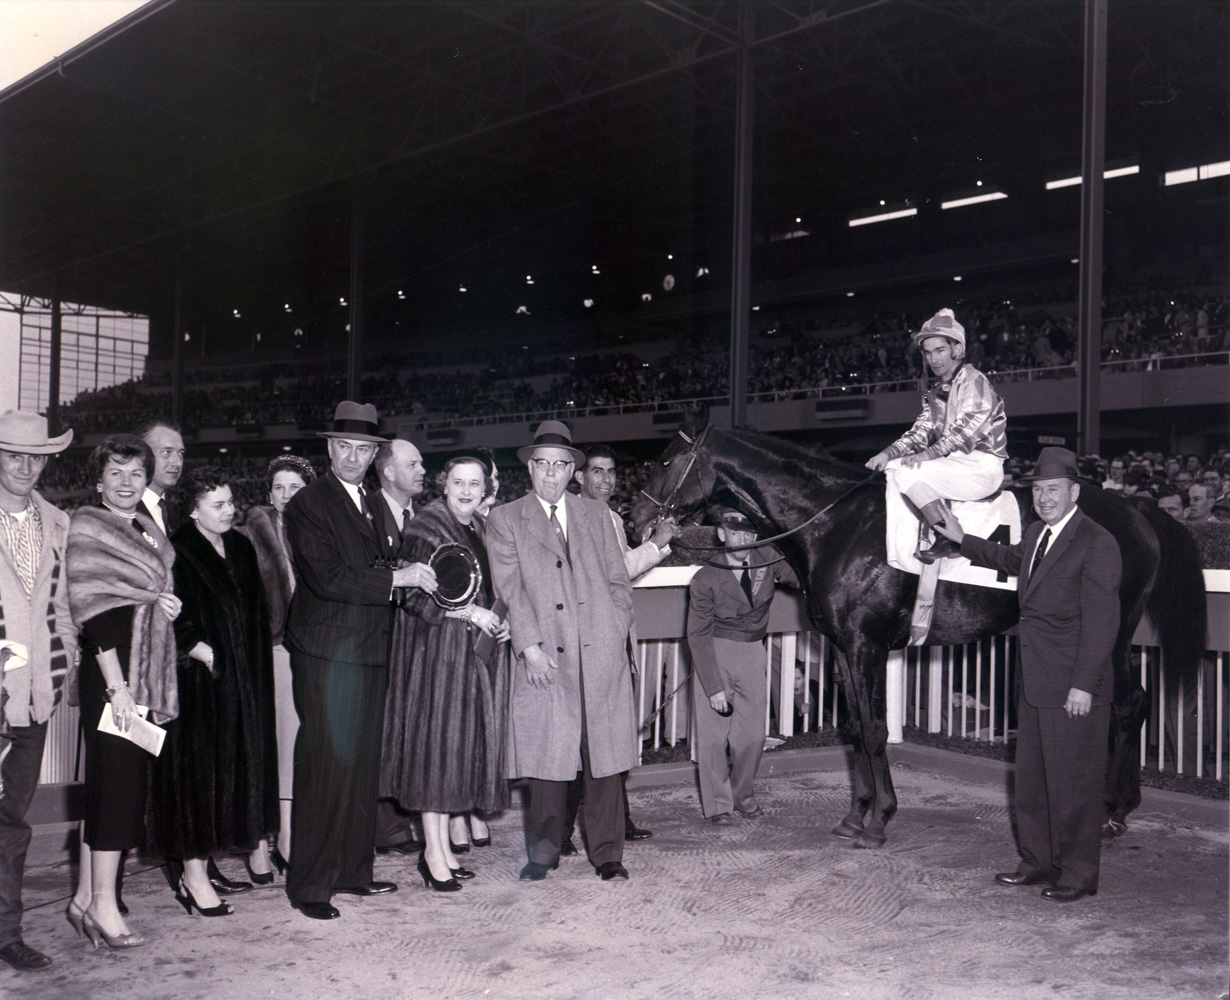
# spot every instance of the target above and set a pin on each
(942, 324)
(551, 434)
(1054, 463)
(728, 517)
(26, 433)
(355, 422)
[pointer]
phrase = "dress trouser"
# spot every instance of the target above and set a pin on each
(19, 771)
(392, 824)
(601, 809)
(337, 774)
(728, 782)
(1059, 780)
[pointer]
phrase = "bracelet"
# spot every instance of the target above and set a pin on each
(113, 691)
(467, 614)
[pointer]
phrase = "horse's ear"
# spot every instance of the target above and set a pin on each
(695, 419)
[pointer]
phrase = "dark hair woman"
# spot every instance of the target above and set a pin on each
(120, 590)
(265, 529)
(214, 787)
(447, 706)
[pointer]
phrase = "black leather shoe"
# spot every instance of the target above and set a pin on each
(1021, 878)
(481, 841)
(633, 832)
(609, 870)
(534, 872)
(722, 819)
(458, 848)
(224, 886)
(754, 813)
(567, 849)
(410, 846)
(317, 911)
(461, 873)
(21, 956)
(1066, 893)
(942, 549)
(371, 889)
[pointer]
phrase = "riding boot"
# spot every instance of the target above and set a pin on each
(933, 513)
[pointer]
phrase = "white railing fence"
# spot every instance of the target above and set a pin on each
(964, 691)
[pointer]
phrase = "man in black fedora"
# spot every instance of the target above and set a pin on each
(1069, 601)
(338, 635)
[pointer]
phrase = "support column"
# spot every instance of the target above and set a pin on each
(177, 346)
(741, 263)
(53, 364)
(1093, 157)
(354, 355)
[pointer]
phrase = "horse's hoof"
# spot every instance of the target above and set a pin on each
(847, 830)
(869, 841)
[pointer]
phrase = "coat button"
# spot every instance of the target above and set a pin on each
(559, 607)
(559, 649)
(559, 564)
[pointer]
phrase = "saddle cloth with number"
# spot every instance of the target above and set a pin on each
(998, 519)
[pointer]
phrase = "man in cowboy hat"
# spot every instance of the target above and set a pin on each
(728, 616)
(557, 564)
(37, 644)
(1069, 620)
(957, 446)
(338, 635)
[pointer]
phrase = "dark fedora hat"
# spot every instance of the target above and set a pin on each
(1054, 463)
(355, 422)
(551, 434)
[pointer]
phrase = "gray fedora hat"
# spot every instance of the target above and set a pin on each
(1054, 463)
(551, 434)
(355, 422)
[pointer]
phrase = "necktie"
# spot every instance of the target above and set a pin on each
(559, 530)
(367, 514)
(405, 519)
(1039, 552)
(165, 509)
(745, 581)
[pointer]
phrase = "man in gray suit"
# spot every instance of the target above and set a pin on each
(556, 562)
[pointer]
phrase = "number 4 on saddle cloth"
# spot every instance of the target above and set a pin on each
(998, 519)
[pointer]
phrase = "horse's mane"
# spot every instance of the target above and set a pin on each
(818, 458)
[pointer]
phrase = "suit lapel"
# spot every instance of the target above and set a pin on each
(1054, 551)
(342, 496)
(540, 525)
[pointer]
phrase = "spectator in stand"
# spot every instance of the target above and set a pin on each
(1199, 504)
(1114, 481)
(1212, 478)
(1135, 482)
(1172, 502)
(1183, 479)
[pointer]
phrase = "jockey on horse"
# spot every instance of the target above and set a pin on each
(957, 446)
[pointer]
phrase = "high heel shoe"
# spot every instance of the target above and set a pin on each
(461, 873)
(481, 841)
(458, 848)
(96, 933)
(258, 878)
(76, 916)
(224, 886)
(185, 899)
(429, 880)
(278, 861)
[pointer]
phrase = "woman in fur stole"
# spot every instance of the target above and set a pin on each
(447, 705)
(118, 567)
(287, 475)
(214, 787)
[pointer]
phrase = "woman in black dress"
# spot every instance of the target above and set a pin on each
(447, 706)
(120, 590)
(214, 787)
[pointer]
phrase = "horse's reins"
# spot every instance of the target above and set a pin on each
(666, 506)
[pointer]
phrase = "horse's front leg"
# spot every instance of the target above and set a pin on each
(862, 788)
(1128, 711)
(868, 670)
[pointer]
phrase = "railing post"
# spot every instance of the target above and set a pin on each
(935, 689)
(894, 694)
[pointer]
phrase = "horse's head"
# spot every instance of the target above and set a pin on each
(675, 488)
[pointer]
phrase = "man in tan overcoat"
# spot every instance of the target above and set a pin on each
(556, 562)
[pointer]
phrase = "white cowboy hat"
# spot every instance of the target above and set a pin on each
(26, 433)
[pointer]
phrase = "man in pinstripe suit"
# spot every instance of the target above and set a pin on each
(338, 635)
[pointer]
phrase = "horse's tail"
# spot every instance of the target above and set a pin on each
(1176, 604)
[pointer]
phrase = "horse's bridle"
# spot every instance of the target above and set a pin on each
(667, 507)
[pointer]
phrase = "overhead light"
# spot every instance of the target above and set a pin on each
(1063, 182)
(670, 256)
(286, 447)
(595, 270)
(222, 451)
(1185, 176)
(755, 309)
(849, 295)
(701, 272)
(529, 279)
(866, 220)
(401, 295)
(461, 288)
(646, 297)
(1113, 172)
(341, 301)
(798, 220)
(523, 310)
(1210, 170)
(976, 199)
(1121, 171)
(235, 313)
(286, 307)
(589, 303)
(956, 277)
(1075, 260)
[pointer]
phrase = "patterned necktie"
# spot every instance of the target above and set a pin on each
(559, 530)
(745, 581)
(1039, 552)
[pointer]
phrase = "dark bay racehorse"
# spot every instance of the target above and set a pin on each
(863, 605)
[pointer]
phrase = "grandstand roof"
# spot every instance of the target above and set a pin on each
(500, 140)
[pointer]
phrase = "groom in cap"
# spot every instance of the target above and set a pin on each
(338, 635)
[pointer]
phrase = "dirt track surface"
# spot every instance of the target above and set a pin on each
(772, 908)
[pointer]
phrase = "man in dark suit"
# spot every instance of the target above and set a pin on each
(1069, 620)
(338, 635)
(556, 562)
(167, 444)
(399, 470)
